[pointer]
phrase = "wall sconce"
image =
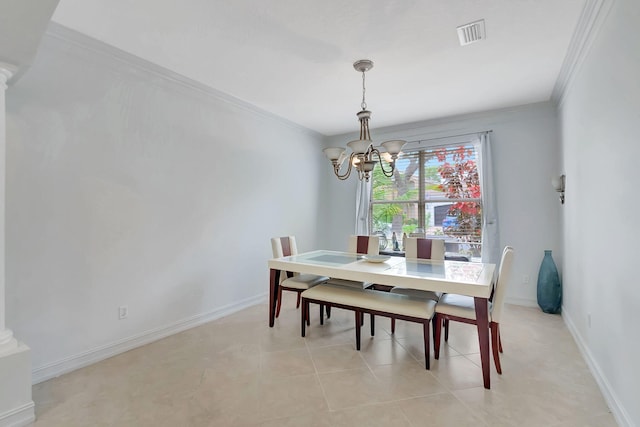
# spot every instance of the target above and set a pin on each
(558, 184)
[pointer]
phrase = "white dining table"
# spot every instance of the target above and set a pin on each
(474, 279)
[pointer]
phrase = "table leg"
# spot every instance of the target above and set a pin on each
(482, 320)
(274, 282)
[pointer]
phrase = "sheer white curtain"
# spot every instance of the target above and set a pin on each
(363, 196)
(490, 235)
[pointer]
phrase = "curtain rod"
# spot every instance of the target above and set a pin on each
(452, 136)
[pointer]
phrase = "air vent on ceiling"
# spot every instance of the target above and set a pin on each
(471, 33)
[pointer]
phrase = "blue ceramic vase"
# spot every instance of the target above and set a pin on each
(549, 287)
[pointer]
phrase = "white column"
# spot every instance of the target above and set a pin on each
(16, 405)
(7, 341)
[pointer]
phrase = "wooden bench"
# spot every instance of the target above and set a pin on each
(373, 302)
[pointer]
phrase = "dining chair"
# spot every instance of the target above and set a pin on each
(364, 245)
(420, 248)
(289, 281)
(461, 308)
(361, 245)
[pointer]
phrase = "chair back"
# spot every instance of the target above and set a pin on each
(366, 245)
(283, 246)
(500, 289)
(416, 247)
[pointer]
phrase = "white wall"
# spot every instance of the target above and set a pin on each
(128, 185)
(525, 148)
(600, 114)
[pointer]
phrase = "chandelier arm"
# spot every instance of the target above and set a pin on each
(389, 173)
(336, 169)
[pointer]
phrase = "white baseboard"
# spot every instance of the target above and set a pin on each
(622, 417)
(71, 363)
(18, 417)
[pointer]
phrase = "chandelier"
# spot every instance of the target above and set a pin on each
(364, 155)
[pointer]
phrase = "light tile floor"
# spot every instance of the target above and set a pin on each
(237, 371)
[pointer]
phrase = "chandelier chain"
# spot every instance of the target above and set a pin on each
(364, 103)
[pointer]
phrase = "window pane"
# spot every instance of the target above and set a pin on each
(452, 173)
(463, 228)
(398, 218)
(404, 183)
(433, 180)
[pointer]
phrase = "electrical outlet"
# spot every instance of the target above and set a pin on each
(123, 312)
(525, 279)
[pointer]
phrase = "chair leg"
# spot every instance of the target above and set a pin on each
(362, 319)
(495, 337)
(446, 330)
(298, 301)
(303, 317)
(499, 340)
(328, 311)
(433, 331)
(427, 345)
(436, 339)
(393, 325)
(279, 301)
(358, 326)
(321, 314)
(373, 324)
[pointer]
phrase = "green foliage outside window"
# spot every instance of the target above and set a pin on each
(383, 214)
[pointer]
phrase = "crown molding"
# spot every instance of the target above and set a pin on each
(8, 69)
(83, 41)
(7, 72)
(589, 25)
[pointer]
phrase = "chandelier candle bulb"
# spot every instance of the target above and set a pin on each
(386, 156)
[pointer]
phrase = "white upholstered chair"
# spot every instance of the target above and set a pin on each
(286, 246)
(462, 309)
(420, 248)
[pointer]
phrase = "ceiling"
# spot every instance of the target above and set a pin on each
(294, 58)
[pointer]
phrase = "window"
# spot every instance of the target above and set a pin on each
(435, 193)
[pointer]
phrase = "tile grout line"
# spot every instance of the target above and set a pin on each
(317, 374)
